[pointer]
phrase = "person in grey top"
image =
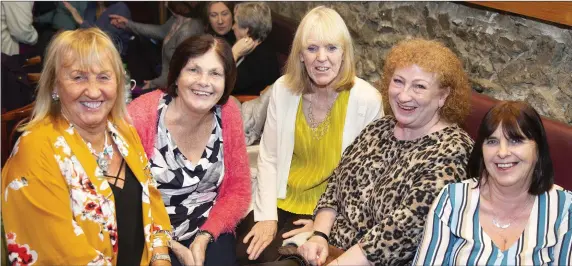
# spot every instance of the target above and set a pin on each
(184, 23)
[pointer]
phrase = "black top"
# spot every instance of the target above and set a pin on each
(129, 214)
(258, 70)
(229, 37)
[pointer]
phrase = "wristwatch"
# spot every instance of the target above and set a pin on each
(160, 256)
(207, 233)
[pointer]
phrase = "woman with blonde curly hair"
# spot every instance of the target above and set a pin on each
(375, 205)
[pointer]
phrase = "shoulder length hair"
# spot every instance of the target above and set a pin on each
(91, 47)
(519, 121)
(325, 25)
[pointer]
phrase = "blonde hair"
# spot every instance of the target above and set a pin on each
(434, 57)
(91, 47)
(327, 26)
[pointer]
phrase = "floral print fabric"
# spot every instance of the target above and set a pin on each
(52, 177)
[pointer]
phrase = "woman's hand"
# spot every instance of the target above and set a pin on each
(262, 234)
(243, 47)
(183, 254)
(315, 250)
(308, 226)
(118, 21)
(199, 249)
(76, 16)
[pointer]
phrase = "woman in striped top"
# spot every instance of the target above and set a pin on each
(512, 214)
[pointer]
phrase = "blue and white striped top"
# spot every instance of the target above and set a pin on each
(454, 236)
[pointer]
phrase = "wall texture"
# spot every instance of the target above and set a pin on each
(508, 57)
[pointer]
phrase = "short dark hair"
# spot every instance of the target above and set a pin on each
(194, 47)
(519, 121)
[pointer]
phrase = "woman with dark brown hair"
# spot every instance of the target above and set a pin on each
(219, 20)
(193, 136)
(510, 212)
(184, 23)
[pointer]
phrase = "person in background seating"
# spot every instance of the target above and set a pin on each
(194, 137)
(77, 189)
(184, 23)
(315, 111)
(16, 26)
(256, 61)
(375, 205)
(510, 212)
(97, 15)
(219, 20)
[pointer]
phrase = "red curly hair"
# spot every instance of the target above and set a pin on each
(433, 57)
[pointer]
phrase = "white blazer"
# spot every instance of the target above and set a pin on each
(277, 142)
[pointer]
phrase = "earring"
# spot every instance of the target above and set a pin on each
(55, 96)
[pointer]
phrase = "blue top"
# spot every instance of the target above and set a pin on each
(454, 236)
(119, 36)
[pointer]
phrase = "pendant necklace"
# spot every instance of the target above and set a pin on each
(104, 157)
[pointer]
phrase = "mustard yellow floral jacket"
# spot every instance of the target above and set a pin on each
(58, 208)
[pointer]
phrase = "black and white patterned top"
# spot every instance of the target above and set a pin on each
(188, 191)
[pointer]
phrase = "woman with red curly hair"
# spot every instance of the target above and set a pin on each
(376, 201)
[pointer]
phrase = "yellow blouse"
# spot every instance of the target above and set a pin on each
(58, 208)
(314, 159)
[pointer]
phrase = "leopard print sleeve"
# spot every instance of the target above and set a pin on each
(394, 239)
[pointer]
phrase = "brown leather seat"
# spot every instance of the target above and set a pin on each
(10, 121)
(559, 137)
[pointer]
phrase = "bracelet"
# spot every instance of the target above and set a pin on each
(320, 234)
(207, 233)
(158, 256)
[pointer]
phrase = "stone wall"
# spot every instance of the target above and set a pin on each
(507, 56)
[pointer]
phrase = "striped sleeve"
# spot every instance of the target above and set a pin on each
(434, 247)
(563, 249)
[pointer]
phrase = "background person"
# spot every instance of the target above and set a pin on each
(375, 205)
(315, 111)
(184, 23)
(510, 213)
(220, 19)
(194, 138)
(77, 188)
(256, 61)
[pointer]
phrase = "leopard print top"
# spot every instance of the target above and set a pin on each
(383, 188)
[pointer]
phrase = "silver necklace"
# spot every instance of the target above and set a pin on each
(104, 157)
(496, 221)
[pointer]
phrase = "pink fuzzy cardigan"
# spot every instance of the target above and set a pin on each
(235, 191)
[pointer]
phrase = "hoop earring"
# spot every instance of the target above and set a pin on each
(55, 96)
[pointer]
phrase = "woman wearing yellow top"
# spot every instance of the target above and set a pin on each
(315, 111)
(77, 187)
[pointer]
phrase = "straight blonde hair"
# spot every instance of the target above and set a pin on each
(326, 26)
(90, 47)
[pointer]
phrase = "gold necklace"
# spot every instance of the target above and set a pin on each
(319, 129)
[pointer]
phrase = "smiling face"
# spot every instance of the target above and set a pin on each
(220, 18)
(509, 161)
(322, 61)
(415, 96)
(87, 96)
(201, 82)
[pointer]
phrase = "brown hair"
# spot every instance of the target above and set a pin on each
(519, 121)
(434, 57)
(194, 47)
